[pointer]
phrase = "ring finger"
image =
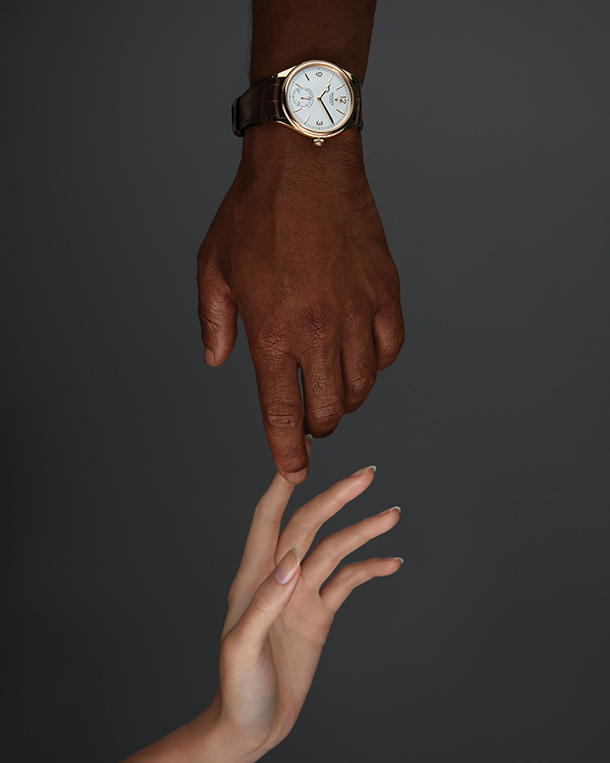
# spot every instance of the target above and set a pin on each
(325, 557)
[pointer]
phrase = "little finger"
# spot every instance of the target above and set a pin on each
(339, 587)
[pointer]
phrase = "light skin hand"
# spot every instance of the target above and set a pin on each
(278, 618)
(274, 634)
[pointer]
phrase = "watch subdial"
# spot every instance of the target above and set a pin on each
(301, 98)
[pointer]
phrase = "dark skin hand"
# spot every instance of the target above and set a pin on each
(298, 248)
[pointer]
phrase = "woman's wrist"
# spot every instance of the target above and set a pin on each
(205, 739)
(215, 741)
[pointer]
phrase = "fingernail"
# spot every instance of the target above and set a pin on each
(296, 477)
(387, 511)
(309, 437)
(308, 443)
(285, 570)
(364, 471)
(208, 355)
(399, 559)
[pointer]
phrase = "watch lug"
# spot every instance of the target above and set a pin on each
(285, 73)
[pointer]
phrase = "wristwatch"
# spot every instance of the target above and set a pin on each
(316, 98)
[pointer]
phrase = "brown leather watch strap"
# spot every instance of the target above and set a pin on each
(261, 103)
(357, 104)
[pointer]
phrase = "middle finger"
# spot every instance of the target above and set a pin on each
(306, 521)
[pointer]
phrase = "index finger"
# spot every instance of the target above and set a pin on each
(260, 550)
(280, 399)
(261, 543)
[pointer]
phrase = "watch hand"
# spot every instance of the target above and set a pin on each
(327, 111)
(326, 89)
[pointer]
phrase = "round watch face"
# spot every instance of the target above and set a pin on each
(318, 98)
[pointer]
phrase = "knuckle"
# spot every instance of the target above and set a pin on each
(333, 550)
(361, 385)
(393, 343)
(326, 413)
(283, 417)
(270, 343)
(318, 327)
(209, 319)
(352, 315)
(388, 282)
(347, 579)
(260, 602)
(230, 644)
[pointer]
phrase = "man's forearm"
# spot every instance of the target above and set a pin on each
(297, 247)
(287, 32)
(284, 34)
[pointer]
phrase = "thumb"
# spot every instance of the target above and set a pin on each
(269, 601)
(218, 318)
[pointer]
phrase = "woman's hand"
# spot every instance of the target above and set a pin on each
(280, 611)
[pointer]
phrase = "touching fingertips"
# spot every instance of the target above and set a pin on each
(308, 443)
(285, 570)
(296, 477)
(364, 471)
(208, 356)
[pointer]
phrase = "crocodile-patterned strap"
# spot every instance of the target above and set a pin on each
(357, 104)
(261, 103)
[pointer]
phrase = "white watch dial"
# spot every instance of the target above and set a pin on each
(318, 98)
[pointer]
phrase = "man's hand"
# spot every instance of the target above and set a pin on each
(297, 247)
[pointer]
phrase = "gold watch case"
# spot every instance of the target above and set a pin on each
(318, 135)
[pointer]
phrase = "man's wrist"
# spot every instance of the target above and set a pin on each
(276, 148)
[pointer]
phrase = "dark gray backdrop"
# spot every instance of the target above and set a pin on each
(131, 469)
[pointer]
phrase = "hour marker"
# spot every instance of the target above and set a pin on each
(305, 122)
(301, 108)
(305, 73)
(340, 86)
(341, 112)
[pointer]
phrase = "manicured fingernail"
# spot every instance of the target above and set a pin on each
(285, 570)
(296, 477)
(308, 443)
(208, 355)
(387, 511)
(309, 437)
(399, 559)
(364, 471)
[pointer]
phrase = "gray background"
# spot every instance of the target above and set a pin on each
(131, 469)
